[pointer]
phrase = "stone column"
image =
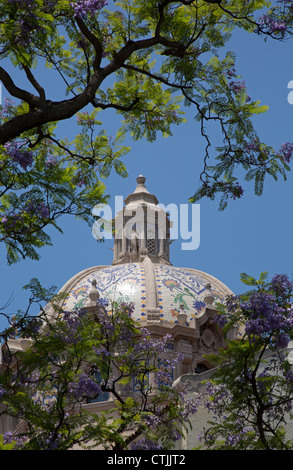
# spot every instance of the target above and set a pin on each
(115, 253)
(161, 247)
(152, 310)
(123, 240)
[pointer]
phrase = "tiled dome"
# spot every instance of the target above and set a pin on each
(141, 271)
(175, 288)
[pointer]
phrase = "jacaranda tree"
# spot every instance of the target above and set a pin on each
(104, 56)
(250, 397)
(84, 356)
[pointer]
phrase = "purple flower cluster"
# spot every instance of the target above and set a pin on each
(79, 179)
(23, 157)
(220, 395)
(237, 87)
(38, 208)
(9, 437)
(147, 344)
(153, 421)
(256, 152)
(231, 72)
(286, 151)
(273, 25)
(266, 315)
(233, 439)
(266, 318)
(51, 162)
(83, 7)
(27, 26)
(28, 19)
(8, 105)
(72, 323)
(85, 386)
(13, 220)
(145, 444)
(84, 119)
(282, 286)
(253, 145)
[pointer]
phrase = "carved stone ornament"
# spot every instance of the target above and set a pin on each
(208, 339)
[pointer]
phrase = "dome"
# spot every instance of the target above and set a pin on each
(141, 271)
(174, 289)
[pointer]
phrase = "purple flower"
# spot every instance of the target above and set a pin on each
(266, 314)
(221, 320)
(38, 208)
(83, 7)
(276, 26)
(51, 162)
(145, 444)
(281, 285)
(253, 145)
(84, 387)
(7, 106)
(231, 72)
(273, 25)
(9, 437)
(43, 210)
(153, 421)
(5, 220)
(23, 158)
(266, 319)
(84, 119)
(19, 220)
(286, 151)
(237, 87)
(282, 340)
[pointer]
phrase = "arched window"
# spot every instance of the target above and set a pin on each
(151, 242)
(200, 368)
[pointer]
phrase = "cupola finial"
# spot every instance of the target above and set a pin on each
(140, 179)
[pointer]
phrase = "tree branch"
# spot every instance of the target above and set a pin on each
(116, 106)
(58, 111)
(17, 92)
(93, 40)
(35, 84)
(153, 76)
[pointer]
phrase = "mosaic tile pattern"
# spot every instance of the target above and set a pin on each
(126, 282)
(177, 286)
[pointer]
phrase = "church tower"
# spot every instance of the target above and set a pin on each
(141, 229)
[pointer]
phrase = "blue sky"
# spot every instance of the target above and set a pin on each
(252, 235)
